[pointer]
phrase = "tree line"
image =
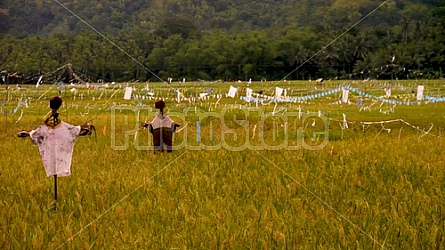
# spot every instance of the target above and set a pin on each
(396, 42)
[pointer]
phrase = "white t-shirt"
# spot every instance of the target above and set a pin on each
(56, 147)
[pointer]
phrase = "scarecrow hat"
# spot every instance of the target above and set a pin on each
(160, 104)
(55, 102)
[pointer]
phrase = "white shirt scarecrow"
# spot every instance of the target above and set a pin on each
(56, 140)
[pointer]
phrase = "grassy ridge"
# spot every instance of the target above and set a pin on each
(365, 189)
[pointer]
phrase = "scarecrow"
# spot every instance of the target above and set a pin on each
(162, 128)
(56, 139)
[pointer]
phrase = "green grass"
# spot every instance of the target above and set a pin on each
(366, 189)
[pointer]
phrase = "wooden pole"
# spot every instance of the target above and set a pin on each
(6, 107)
(55, 192)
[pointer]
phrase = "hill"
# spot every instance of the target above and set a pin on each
(48, 16)
(227, 39)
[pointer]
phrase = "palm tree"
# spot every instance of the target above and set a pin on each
(345, 53)
(361, 46)
(300, 57)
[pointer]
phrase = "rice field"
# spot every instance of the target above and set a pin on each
(317, 173)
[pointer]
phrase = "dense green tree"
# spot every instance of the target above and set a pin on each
(202, 39)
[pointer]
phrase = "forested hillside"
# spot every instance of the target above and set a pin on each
(224, 39)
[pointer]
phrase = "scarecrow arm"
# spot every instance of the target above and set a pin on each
(23, 134)
(174, 126)
(148, 126)
(86, 129)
